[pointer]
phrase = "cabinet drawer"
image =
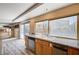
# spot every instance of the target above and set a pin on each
(43, 43)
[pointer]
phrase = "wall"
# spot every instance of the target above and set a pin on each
(63, 12)
(32, 26)
(15, 32)
(78, 27)
(0, 43)
(0, 46)
(12, 32)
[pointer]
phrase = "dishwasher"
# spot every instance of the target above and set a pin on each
(31, 41)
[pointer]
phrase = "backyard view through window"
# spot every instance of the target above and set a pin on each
(64, 27)
(42, 27)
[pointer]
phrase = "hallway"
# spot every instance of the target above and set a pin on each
(15, 46)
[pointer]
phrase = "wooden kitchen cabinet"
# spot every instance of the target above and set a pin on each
(38, 47)
(43, 47)
(73, 51)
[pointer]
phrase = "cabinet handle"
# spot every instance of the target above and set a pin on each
(50, 44)
(36, 40)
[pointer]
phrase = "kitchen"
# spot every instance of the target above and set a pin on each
(56, 35)
(52, 30)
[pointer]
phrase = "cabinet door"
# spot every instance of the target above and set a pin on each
(47, 49)
(43, 47)
(73, 51)
(38, 47)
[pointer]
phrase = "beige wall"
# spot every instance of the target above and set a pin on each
(78, 27)
(0, 43)
(0, 46)
(12, 31)
(15, 32)
(63, 12)
(32, 26)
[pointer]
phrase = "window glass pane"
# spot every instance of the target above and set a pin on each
(26, 28)
(39, 27)
(22, 31)
(45, 27)
(65, 27)
(42, 27)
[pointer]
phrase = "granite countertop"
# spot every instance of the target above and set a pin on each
(64, 41)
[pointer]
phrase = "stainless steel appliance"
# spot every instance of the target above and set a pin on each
(31, 43)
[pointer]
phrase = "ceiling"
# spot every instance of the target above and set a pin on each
(44, 8)
(1, 25)
(9, 11)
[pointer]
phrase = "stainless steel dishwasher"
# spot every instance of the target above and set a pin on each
(31, 43)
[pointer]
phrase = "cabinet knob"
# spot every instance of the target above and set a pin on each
(50, 44)
(36, 40)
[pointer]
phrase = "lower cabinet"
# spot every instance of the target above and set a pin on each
(43, 47)
(73, 51)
